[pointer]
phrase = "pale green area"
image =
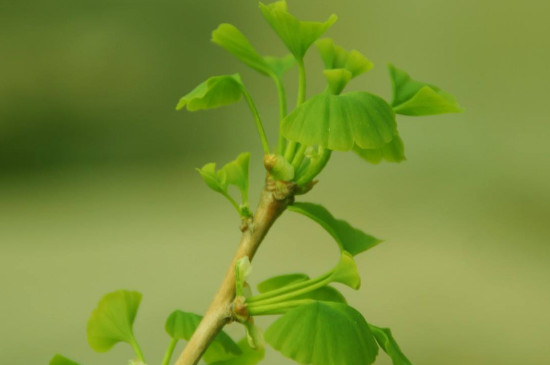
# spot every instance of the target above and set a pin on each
(98, 191)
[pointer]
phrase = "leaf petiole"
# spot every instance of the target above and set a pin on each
(137, 350)
(315, 167)
(276, 308)
(169, 351)
(257, 120)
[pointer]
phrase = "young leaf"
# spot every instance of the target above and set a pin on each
(346, 272)
(280, 65)
(234, 41)
(61, 360)
(326, 293)
(411, 97)
(242, 270)
(337, 79)
(236, 173)
(338, 122)
(212, 179)
(394, 151)
(215, 92)
(297, 35)
(323, 333)
(181, 325)
(387, 343)
(335, 57)
(348, 238)
(248, 356)
(113, 319)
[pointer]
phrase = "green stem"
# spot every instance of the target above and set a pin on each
(169, 351)
(282, 111)
(276, 308)
(299, 157)
(316, 167)
(287, 289)
(233, 202)
(137, 350)
(257, 120)
(290, 151)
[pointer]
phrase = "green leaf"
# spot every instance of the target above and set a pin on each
(249, 356)
(215, 92)
(280, 65)
(411, 97)
(346, 272)
(181, 325)
(61, 360)
(212, 179)
(326, 293)
(233, 40)
(323, 333)
(394, 151)
(335, 57)
(387, 343)
(348, 238)
(338, 122)
(236, 173)
(297, 35)
(337, 79)
(112, 321)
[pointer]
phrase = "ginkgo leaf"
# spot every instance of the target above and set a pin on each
(346, 272)
(335, 57)
(338, 122)
(394, 151)
(211, 178)
(61, 360)
(323, 333)
(280, 65)
(326, 293)
(248, 356)
(411, 97)
(337, 79)
(297, 35)
(386, 341)
(349, 239)
(215, 92)
(234, 41)
(112, 321)
(182, 325)
(236, 173)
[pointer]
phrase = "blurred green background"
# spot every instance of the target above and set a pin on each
(98, 191)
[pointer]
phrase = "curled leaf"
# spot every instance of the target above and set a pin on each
(335, 57)
(213, 93)
(297, 35)
(323, 333)
(411, 97)
(338, 122)
(386, 341)
(346, 272)
(113, 319)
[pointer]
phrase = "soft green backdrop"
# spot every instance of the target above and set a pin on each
(98, 191)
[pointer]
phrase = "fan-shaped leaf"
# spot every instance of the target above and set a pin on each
(348, 238)
(215, 92)
(280, 65)
(112, 321)
(248, 356)
(181, 325)
(335, 57)
(323, 333)
(411, 97)
(326, 293)
(337, 79)
(338, 122)
(394, 151)
(234, 41)
(387, 343)
(61, 360)
(297, 35)
(236, 173)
